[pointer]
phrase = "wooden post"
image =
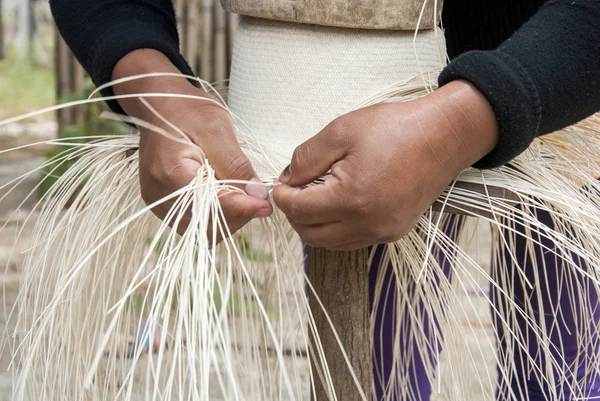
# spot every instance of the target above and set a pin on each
(23, 27)
(220, 72)
(206, 71)
(1, 33)
(231, 26)
(341, 281)
(63, 75)
(191, 34)
(77, 82)
(32, 22)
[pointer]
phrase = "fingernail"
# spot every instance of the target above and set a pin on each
(263, 212)
(286, 175)
(256, 189)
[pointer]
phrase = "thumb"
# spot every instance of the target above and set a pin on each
(230, 163)
(314, 158)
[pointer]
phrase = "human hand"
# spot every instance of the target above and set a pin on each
(388, 164)
(167, 165)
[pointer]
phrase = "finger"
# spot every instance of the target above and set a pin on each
(238, 206)
(237, 211)
(229, 162)
(314, 158)
(165, 209)
(329, 235)
(165, 165)
(313, 205)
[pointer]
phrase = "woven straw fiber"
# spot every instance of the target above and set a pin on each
(290, 80)
(370, 14)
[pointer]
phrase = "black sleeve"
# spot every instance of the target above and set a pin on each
(101, 32)
(543, 78)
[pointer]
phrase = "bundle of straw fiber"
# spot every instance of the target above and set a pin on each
(115, 305)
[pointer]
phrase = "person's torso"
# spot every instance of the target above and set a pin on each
(483, 24)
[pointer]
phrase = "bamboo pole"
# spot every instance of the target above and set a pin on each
(181, 13)
(179, 7)
(62, 76)
(341, 281)
(231, 26)
(191, 33)
(77, 80)
(220, 73)
(206, 71)
(1, 33)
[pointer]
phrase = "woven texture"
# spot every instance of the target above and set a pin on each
(288, 81)
(370, 14)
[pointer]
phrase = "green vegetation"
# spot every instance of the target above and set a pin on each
(24, 86)
(93, 125)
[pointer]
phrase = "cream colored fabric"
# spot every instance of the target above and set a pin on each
(368, 14)
(290, 80)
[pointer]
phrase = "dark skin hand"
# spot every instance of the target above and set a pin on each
(388, 162)
(166, 165)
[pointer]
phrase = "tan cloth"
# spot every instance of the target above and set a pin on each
(365, 14)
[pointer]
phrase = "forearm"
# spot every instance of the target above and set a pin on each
(183, 110)
(102, 32)
(472, 128)
(143, 61)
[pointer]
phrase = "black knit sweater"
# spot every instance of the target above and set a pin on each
(537, 62)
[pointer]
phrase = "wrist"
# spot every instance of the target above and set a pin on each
(144, 61)
(464, 108)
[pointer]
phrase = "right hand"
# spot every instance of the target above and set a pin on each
(166, 165)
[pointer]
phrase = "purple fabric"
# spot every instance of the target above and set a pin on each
(385, 323)
(560, 330)
(556, 296)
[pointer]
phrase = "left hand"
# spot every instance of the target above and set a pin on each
(388, 163)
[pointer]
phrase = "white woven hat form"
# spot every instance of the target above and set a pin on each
(288, 81)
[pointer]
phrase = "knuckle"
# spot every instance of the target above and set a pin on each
(146, 195)
(308, 236)
(300, 154)
(360, 206)
(153, 165)
(402, 232)
(320, 239)
(294, 213)
(310, 243)
(313, 241)
(150, 178)
(238, 212)
(337, 131)
(239, 167)
(155, 172)
(387, 235)
(388, 238)
(218, 126)
(380, 232)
